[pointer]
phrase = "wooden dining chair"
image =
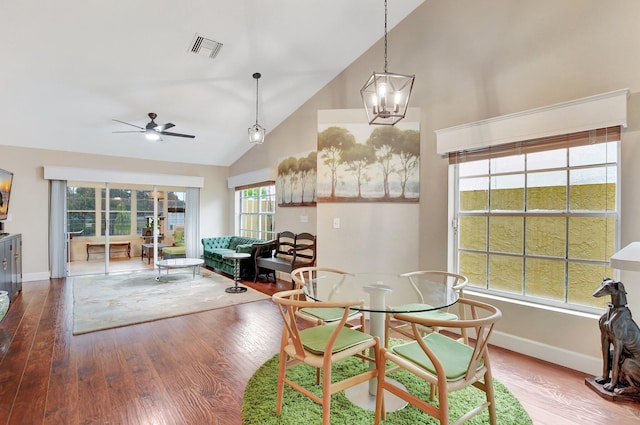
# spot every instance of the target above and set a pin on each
(449, 281)
(445, 362)
(306, 277)
(320, 347)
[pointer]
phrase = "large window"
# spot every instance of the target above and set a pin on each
(176, 207)
(129, 210)
(538, 221)
(171, 209)
(81, 210)
(119, 211)
(256, 208)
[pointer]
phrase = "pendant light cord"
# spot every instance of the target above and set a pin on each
(385, 36)
(257, 77)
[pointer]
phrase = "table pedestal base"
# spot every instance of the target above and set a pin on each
(361, 397)
(235, 289)
(236, 256)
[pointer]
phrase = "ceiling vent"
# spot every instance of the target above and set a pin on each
(205, 46)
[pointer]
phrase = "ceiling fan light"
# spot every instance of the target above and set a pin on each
(151, 135)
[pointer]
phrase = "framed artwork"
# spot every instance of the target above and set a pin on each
(296, 181)
(358, 162)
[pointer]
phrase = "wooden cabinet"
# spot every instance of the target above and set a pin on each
(11, 264)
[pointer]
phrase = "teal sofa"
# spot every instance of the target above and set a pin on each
(214, 248)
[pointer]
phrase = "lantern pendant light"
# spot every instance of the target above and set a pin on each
(386, 95)
(256, 131)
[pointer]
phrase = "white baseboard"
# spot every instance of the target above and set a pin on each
(30, 277)
(549, 353)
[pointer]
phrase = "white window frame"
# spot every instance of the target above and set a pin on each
(454, 239)
(588, 113)
(261, 233)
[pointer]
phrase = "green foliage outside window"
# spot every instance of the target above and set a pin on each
(81, 210)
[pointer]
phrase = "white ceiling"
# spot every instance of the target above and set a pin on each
(69, 67)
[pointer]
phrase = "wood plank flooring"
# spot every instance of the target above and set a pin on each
(193, 369)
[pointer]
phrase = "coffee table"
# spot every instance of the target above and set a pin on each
(236, 257)
(178, 263)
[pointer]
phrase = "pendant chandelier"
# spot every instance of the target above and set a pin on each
(386, 95)
(256, 131)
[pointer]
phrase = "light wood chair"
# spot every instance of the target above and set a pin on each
(319, 347)
(454, 281)
(306, 276)
(446, 363)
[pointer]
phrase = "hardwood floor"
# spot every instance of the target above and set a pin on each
(193, 369)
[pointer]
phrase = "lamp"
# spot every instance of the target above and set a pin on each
(256, 131)
(386, 95)
(620, 335)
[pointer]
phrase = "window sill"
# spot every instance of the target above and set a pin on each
(529, 304)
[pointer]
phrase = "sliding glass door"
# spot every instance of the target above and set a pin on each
(116, 228)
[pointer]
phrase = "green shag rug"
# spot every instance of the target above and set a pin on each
(259, 401)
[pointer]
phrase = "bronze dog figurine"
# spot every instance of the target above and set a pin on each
(620, 339)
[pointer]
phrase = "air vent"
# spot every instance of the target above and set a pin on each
(205, 46)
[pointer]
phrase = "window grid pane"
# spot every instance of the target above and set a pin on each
(542, 233)
(81, 210)
(256, 213)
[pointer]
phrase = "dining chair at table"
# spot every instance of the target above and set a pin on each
(320, 347)
(446, 362)
(449, 281)
(307, 276)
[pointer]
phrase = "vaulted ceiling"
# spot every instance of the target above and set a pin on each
(70, 67)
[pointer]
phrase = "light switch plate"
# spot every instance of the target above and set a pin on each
(336, 222)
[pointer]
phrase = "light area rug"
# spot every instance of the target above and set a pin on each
(110, 301)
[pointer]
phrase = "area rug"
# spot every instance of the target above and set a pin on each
(110, 301)
(259, 401)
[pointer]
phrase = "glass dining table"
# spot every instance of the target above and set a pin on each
(382, 293)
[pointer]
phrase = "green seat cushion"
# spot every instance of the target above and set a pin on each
(326, 314)
(455, 356)
(174, 250)
(314, 339)
(430, 314)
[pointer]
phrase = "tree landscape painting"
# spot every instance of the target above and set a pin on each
(358, 162)
(296, 181)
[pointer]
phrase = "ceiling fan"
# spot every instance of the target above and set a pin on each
(153, 131)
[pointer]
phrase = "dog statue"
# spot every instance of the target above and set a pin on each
(620, 339)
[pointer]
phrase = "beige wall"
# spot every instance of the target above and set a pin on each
(29, 208)
(476, 60)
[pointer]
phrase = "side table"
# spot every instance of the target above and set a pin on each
(147, 248)
(236, 257)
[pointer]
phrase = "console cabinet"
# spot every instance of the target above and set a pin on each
(11, 264)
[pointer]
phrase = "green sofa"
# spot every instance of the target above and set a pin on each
(214, 248)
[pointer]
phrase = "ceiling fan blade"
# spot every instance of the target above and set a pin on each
(164, 127)
(168, 133)
(132, 125)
